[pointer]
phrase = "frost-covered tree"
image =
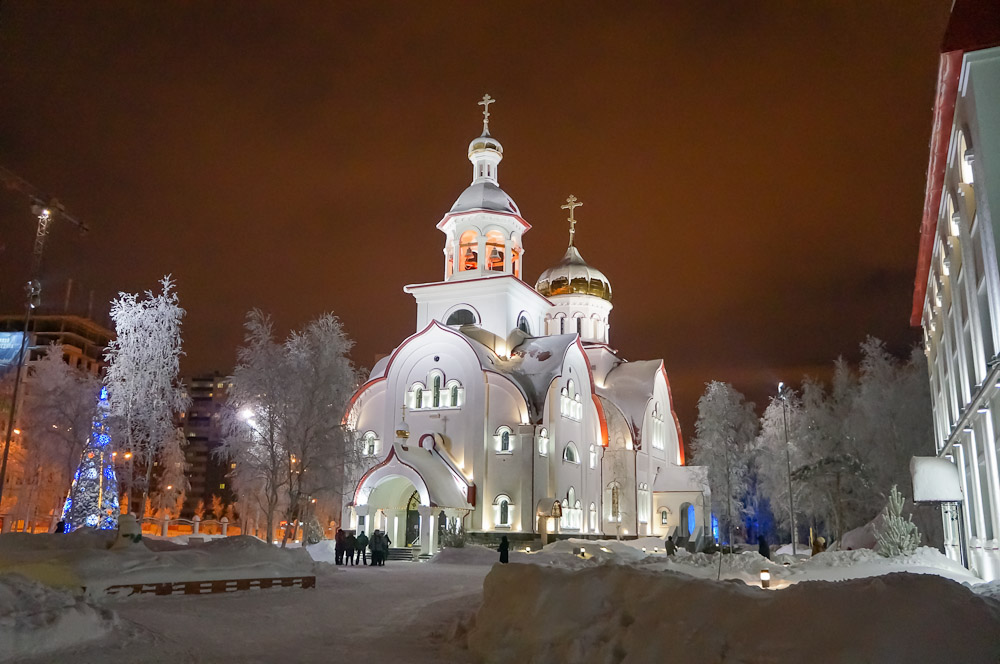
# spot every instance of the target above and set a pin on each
(142, 379)
(60, 403)
(726, 430)
(170, 483)
(894, 535)
(285, 429)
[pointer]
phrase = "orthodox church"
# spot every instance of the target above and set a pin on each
(507, 411)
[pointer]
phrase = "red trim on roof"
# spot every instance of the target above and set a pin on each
(677, 422)
(949, 70)
(448, 216)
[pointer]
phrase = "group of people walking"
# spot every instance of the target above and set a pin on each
(348, 549)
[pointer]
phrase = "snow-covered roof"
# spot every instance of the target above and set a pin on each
(630, 387)
(532, 366)
(444, 482)
(378, 371)
(681, 478)
(485, 195)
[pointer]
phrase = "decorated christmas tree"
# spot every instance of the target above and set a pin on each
(93, 498)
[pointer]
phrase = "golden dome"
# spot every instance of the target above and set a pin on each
(572, 276)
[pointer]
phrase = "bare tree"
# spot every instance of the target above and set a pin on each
(142, 378)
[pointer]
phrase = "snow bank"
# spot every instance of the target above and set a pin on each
(626, 613)
(83, 561)
(36, 619)
(599, 550)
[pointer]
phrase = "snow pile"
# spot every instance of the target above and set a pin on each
(82, 560)
(36, 620)
(625, 613)
(598, 550)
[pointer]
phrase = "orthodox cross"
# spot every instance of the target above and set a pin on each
(571, 204)
(404, 411)
(485, 103)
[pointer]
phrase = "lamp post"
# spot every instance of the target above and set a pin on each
(788, 460)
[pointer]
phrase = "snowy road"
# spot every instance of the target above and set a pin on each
(397, 613)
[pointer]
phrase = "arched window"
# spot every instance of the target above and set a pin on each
(562, 323)
(494, 251)
(579, 325)
(571, 495)
(570, 454)
(594, 526)
(522, 324)
(369, 444)
(664, 516)
(503, 440)
(418, 398)
(461, 317)
(436, 392)
(503, 511)
(468, 250)
(454, 396)
(614, 494)
(965, 157)
(543, 443)
(593, 456)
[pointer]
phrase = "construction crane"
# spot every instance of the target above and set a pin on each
(45, 210)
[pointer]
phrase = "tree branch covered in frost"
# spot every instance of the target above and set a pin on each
(896, 536)
(285, 424)
(724, 443)
(142, 378)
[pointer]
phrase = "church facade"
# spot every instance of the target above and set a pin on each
(507, 411)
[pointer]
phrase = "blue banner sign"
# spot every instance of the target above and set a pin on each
(10, 345)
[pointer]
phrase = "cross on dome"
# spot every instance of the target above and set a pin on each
(571, 204)
(485, 103)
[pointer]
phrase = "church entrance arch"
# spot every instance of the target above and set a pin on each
(392, 504)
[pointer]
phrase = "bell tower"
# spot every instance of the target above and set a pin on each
(483, 228)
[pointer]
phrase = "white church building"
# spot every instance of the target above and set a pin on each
(507, 411)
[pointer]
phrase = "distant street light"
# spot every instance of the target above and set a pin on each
(788, 460)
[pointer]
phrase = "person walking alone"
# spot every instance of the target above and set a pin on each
(361, 548)
(504, 550)
(669, 546)
(375, 544)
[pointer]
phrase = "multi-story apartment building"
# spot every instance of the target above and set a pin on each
(957, 288)
(203, 433)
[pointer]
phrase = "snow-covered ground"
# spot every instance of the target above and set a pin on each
(615, 602)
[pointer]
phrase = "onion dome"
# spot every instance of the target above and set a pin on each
(485, 153)
(573, 276)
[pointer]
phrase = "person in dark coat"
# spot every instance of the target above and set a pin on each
(375, 544)
(762, 547)
(504, 550)
(61, 527)
(338, 547)
(384, 544)
(361, 548)
(669, 546)
(349, 543)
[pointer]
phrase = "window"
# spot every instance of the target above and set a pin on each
(572, 512)
(522, 324)
(418, 398)
(443, 394)
(643, 506)
(453, 396)
(495, 251)
(664, 514)
(569, 402)
(468, 249)
(503, 440)
(436, 392)
(570, 454)
(543, 443)
(461, 317)
(613, 495)
(594, 526)
(503, 511)
(369, 444)
(222, 486)
(593, 456)
(579, 325)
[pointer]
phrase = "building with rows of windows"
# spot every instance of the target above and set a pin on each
(508, 411)
(957, 289)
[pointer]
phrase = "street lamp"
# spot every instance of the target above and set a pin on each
(788, 460)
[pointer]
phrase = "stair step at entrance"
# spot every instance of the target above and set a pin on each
(403, 553)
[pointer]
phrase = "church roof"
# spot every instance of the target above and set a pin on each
(572, 275)
(630, 387)
(485, 195)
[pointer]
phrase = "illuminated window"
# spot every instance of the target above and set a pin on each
(232, 466)
(594, 525)
(418, 398)
(593, 456)
(468, 249)
(543, 443)
(494, 251)
(570, 454)
(369, 444)
(222, 486)
(454, 396)
(436, 392)
(663, 517)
